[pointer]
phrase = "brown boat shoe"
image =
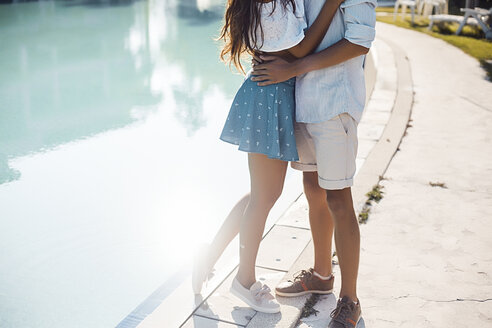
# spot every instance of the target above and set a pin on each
(346, 314)
(305, 282)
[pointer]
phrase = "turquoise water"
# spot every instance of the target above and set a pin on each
(111, 171)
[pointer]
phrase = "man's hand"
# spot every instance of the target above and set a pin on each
(272, 70)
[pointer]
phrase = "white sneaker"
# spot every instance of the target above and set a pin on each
(258, 296)
(201, 270)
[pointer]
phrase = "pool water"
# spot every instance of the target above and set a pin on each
(111, 171)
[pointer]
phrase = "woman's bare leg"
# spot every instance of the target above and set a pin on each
(267, 180)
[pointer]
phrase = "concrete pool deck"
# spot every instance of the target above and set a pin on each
(432, 268)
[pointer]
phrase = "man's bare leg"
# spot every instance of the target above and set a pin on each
(347, 239)
(321, 223)
(318, 280)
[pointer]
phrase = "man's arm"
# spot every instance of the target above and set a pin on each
(275, 69)
(315, 33)
(359, 18)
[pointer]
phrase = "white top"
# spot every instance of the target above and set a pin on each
(283, 28)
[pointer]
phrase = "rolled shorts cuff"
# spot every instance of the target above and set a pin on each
(335, 184)
(304, 167)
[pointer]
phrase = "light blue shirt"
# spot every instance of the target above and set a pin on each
(328, 92)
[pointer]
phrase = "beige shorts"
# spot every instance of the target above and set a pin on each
(330, 148)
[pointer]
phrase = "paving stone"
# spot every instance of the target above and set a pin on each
(375, 117)
(421, 313)
(324, 306)
(178, 306)
(370, 131)
(427, 241)
(387, 77)
(380, 105)
(272, 252)
(197, 321)
(174, 310)
(290, 307)
(384, 95)
(224, 306)
(297, 215)
(358, 165)
(364, 148)
(370, 73)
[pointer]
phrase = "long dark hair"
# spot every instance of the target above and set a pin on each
(241, 17)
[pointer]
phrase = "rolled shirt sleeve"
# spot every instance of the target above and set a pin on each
(360, 21)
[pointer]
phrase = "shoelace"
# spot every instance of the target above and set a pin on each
(301, 274)
(341, 312)
(263, 291)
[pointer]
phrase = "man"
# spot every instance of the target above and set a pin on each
(330, 98)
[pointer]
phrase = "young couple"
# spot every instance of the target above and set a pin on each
(301, 107)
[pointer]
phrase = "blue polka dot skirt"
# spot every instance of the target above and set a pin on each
(261, 120)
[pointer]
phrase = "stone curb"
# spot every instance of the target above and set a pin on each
(380, 157)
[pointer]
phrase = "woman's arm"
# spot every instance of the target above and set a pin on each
(317, 31)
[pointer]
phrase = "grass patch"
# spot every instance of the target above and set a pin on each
(385, 9)
(471, 40)
(364, 214)
(308, 308)
(376, 194)
(389, 10)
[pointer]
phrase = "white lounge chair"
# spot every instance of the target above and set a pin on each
(450, 19)
(404, 4)
(420, 7)
(476, 17)
(440, 7)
